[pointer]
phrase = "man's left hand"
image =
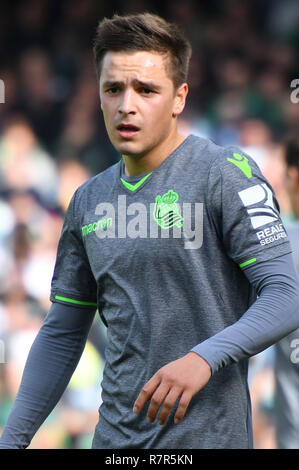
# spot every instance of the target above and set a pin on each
(181, 378)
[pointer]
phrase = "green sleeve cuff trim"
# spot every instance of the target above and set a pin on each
(72, 301)
(133, 187)
(250, 261)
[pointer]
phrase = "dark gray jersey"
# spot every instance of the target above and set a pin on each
(163, 259)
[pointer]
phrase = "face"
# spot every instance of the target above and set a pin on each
(139, 102)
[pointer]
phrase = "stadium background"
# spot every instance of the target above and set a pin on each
(52, 138)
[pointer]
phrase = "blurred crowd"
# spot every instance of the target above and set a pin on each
(52, 139)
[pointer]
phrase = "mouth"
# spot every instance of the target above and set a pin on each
(127, 131)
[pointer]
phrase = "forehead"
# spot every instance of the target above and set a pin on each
(141, 64)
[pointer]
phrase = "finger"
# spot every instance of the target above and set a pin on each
(168, 404)
(182, 406)
(146, 393)
(156, 401)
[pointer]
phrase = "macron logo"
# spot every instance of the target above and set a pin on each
(261, 197)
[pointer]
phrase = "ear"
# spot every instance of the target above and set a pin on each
(180, 99)
(297, 179)
(293, 176)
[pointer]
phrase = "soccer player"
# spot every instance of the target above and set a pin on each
(173, 245)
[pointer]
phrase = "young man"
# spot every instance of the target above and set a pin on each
(171, 244)
(287, 350)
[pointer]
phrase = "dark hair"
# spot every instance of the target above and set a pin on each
(291, 146)
(144, 32)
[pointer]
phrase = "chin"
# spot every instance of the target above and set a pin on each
(129, 148)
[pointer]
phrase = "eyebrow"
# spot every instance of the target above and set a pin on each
(112, 84)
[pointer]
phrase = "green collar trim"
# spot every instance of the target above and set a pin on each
(133, 187)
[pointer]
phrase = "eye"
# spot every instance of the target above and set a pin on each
(112, 91)
(146, 91)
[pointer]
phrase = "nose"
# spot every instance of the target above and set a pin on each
(127, 102)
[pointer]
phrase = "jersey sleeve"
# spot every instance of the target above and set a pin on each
(244, 210)
(73, 281)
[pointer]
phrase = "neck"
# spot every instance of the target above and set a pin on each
(139, 165)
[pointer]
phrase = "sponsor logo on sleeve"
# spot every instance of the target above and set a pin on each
(258, 200)
(241, 162)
